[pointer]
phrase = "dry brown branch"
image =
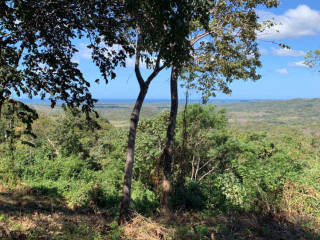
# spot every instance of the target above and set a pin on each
(55, 149)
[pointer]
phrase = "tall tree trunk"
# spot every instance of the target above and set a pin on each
(181, 176)
(126, 191)
(144, 85)
(1, 104)
(168, 151)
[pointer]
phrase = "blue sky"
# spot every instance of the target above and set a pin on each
(283, 74)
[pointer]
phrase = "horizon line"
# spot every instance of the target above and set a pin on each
(180, 99)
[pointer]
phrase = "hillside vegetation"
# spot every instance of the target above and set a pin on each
(255, 113)
(241, 170)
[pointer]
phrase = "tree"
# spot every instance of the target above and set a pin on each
(200, 132)
(151, 137)
(36, 51)
(312, 59)
(37, 47)
(223, 52)
(161, 30)
(18, 118)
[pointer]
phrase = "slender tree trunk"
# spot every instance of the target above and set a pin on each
(181, 176)
(144, 85)
(126, 192)
(1, 104)
(168, 151)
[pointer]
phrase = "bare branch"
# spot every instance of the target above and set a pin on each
(192, 164)
(205, 164)
(54, 147)
(207, 173)
(197, 169)
(219, 26)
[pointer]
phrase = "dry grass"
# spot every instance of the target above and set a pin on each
(25, 214)
(141, 228)
(302, 205)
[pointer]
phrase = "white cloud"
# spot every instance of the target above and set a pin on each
(263, 51)
(297, 64)
(302, 21)
(282, 71)
(84, 52)
(284, 52)
(75, 60)
(130, 63)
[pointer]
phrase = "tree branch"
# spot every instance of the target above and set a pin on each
(156, 70)
(207, 173)
(137, 62)
(205, 164)
(219, 25)
(19, 53)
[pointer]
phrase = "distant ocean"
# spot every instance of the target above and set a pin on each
(37, 100)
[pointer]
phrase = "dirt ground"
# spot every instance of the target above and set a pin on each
(26, 214)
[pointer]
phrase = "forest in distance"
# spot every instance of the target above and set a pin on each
(241, 112)
(252, 170)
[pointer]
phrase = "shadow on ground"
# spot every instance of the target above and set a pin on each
(240, 226)
(41, 213)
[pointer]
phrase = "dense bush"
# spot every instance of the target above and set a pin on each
(216, 168)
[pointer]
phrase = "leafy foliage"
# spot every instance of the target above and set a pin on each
(226, 49)
(216, 170)
(312, 59)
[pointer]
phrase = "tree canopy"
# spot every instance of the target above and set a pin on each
(161, 30)
(227, 50)
(37, 47)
